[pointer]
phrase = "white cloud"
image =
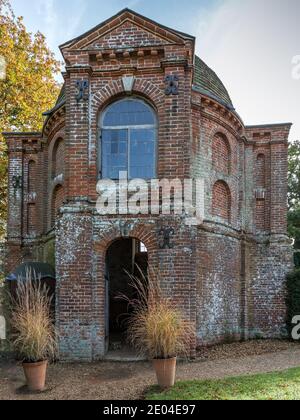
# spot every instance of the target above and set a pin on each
(49, 12)
(133, 3)
(48, 15)
(73, 21)
(58, 26)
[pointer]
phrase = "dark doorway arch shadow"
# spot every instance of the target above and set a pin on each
(123, 257)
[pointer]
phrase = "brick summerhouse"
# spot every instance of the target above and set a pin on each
(137, 99)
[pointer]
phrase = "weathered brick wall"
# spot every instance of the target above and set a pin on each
(221, 154)
(79, 330)
(219, 299)
(221, 201)
(266, 291)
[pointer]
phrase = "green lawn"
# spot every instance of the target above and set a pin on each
(273, 386)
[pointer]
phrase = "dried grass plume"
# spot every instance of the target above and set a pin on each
(156, 327)
(34, 337)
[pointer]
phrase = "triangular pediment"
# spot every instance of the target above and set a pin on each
(127, 35)
(126, 29)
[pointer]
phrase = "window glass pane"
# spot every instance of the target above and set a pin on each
(114, 153)
(128, 113)
(142, 153)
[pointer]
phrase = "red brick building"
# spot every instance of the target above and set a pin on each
(137, 98)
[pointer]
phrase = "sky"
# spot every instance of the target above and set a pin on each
(253, 45)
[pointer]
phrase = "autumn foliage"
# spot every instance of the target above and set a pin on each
(27, 87)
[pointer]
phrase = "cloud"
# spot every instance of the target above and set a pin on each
(47, 12)
(57, 23)
(73, 22)
(50, 12)
(133, 3)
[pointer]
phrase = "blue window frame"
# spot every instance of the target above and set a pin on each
(129, 140)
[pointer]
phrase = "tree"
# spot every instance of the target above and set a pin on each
(294, 176)
(27, 85)
(294, 193)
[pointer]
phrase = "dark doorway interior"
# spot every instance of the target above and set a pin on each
(123, 256)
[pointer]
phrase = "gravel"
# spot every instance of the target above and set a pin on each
(129, 381)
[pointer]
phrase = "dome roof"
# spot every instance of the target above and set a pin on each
(207, 82)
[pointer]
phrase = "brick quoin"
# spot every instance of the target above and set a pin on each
(227, 274)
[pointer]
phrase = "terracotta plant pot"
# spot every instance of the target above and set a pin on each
(35, 374)
(165, 372)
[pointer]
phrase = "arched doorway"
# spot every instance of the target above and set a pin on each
(123, 256)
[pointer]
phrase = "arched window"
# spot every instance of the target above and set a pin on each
(221, 206)
(221, 154)
(129, 138)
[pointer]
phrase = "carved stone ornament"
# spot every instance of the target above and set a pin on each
(82, 90)
(128, 83)
(125, 228)
(172, 85)
(166, 234)
(17, 182)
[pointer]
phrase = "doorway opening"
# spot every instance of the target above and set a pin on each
(123, 256)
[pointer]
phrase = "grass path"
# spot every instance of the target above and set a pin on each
(273, 386)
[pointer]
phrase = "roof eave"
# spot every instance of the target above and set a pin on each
(276, 125)
(51, 111)
(205, 92)
(11, 134)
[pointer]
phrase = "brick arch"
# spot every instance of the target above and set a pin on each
(221, 201)
(221, 153)
(52, 138)
(138, 232)
(115, 90)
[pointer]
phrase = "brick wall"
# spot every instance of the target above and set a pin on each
(227, 275)
(219, 288)
(221, 202)
(221, 154)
